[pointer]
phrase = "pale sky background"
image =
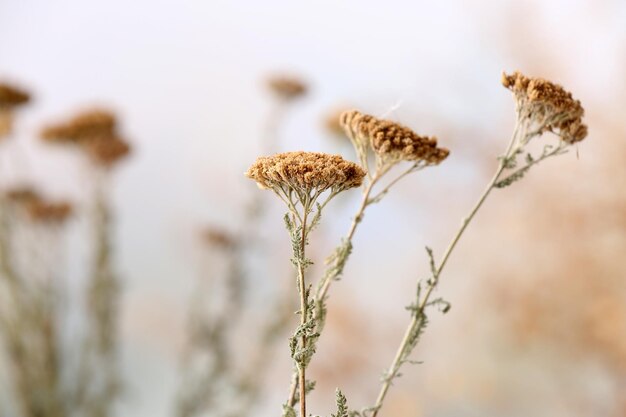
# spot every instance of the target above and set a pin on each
(187, 79)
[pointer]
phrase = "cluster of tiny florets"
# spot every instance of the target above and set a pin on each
(548, 105)
(95, 131)
(306, 171)
(11, 97)
(219, 238)
(390, 140)
(287, 87)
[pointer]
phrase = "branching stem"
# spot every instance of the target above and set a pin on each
(417, 320)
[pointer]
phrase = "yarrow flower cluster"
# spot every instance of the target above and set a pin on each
(95, 132)
(547, 107)
(37, 207)
(391, 142)
(305, 174)
(11, 97)
(81, 128)
(287, 87)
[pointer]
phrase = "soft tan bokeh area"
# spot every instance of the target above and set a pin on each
(538, 283)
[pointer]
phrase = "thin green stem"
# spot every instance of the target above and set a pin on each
(303, 312)
(365, 201)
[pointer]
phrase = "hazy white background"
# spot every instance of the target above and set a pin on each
(187, 78)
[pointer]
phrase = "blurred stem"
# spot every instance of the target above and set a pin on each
(98, 379)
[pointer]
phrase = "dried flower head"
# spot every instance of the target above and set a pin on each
(219, 238)
(287, 87)
(547, 106)
(106, 150)
(391, 142)
(48, 212)
(307, 174)
(22, 194)
(38, 209)
(11, 96)
(83, 127)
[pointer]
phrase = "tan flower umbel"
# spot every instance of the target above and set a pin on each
(391, 142)
(548, 107)
(305, 174)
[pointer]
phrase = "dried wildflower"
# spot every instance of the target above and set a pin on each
(11, 96)
(299, 178)
(106, 150)
(94, 132)
(22, 195)
(48, 212)
(219, 238)
(548, 107)
(391, 142)
(81, 128)
(36, 206)
(307, 174)
(287, 87)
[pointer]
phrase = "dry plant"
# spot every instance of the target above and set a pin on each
(217, 377)
(98, 383)
(46, 378)
(307, 181)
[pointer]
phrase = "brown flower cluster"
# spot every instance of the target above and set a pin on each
(11, 97)
(390, 141)
(548, 105)
(37, 207)
(287, 87)
(95, 131)
(82, 127)
(306, 172)
(216, 237)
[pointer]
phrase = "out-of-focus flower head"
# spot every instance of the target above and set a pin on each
(95, 132)
(287, 87)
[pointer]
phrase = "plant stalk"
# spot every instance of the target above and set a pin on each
(418, 317)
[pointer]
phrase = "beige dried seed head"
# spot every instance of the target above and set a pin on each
(49, 212)
(389, 140)
(287, 87)
(81, 128)
(306, 172)
(22, 194)
(217, 237)
(548, 105)
(37, 207)
(106, 150)
(11, 96)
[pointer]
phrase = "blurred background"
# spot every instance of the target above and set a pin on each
(538, 319)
